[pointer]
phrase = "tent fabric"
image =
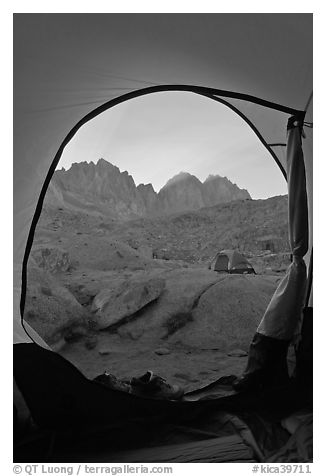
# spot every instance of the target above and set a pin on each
(231, 261)
(66, 65)
(83, 420)
(284, 312)
(299, 447)
(221, 263)
(307, 146)
(21, 332)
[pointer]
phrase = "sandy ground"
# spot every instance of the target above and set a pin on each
(189, 367)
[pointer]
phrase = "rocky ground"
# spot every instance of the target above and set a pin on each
(98, 297)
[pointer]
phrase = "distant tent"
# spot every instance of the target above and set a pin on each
(231, 261)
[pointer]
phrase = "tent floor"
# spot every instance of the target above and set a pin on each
(84, 421)
(214, 450)
(195, 446)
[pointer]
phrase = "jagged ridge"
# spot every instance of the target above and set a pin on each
(102, 189)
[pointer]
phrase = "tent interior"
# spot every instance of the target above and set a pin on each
(68, 69)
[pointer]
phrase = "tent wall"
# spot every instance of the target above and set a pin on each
(307, 145)
(221, 263)
(66, 65)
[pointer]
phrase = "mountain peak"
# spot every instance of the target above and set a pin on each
(213, 177)
(180, 177)
(103, 188)
(104, 164)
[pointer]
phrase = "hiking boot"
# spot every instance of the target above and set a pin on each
(153, 386)
(112, 382)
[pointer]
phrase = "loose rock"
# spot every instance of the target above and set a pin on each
(51, 258)
(237, 353)
(104, 351)
(162, 351)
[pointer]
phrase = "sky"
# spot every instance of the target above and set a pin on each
(159, 135)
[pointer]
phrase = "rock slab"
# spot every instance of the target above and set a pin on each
(113, 305)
